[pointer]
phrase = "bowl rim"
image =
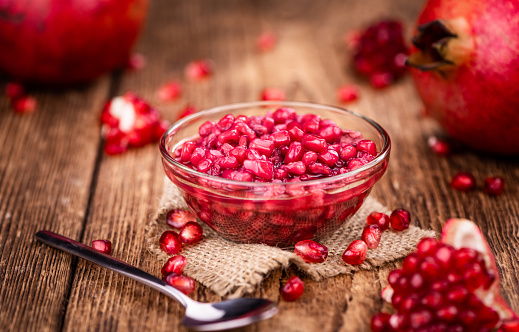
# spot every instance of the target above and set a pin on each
(384, 152)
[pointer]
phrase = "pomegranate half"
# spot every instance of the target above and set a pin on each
(466, 70)
(61, 42)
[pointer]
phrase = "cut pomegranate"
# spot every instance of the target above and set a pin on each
(311, 251)
(170, 91)
(170, 242)
(191, 233)
(177, 218)
(184, 284)
(400, 219)
(371, 235)
(463, 181)
(380, 53)
(198, 70)
(24, 104)
(494, 186)
(356, 253)
(103, 246)
(272, 94)
(174, 264)
(293, 289)
(129, 121)
(449, 283)
(266, 41)
(380, 219)
(347, 93)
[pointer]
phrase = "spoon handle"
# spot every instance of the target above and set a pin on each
(78, 249)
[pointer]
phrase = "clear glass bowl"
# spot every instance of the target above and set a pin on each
(278, 214)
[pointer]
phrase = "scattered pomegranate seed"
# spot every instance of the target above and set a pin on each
(439, 146)
(266, 41)
(198, 70)
(188, 110)
(509, 326)
(311, 251)
(136, 61)
(494, 185)
(381, 80)
(177, 218)
(352, 39)
(170, 91)
(14, 91)
(191, 233)
(400, 219)
(24, 104)
(174, 264)
(463, 181)
(347, 93)
(272, 94)
(103, 246)
(184, 284)
(356, 253)
(371, 235)
(380, 219)
(170, 242)
(293, 289)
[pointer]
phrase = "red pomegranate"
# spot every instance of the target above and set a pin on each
(466, 60)
(62, 42)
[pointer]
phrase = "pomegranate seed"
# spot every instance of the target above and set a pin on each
(380, 322)
(371, 236)
(260, 168)
(427, 247)
(136, 61)
(177, 218)
(103, 246)
(184, 284)
(14, 91)
(510, 326)
(311, 251)
(266, 41)
(348, 152)
(170, 242)
(24, 104)
(367, 146)
(191, 233)
(420, 318)
(272, 94)
(381, 80)
(175, 264)
(494, 185)
(400, 219)
(347, 93)
(439, 146)
(198, 70)
(170, 91)
(188, 110)
(356, 253)
(463, 181)
(380, 219)
(314, 143)
(293, 289)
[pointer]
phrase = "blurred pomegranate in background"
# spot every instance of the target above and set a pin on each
(67, 41)
(467, 59)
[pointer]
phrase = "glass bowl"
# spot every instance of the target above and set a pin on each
(278, 214)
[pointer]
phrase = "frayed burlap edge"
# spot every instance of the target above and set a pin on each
(233, 269)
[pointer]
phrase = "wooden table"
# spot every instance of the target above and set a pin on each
(54, 175)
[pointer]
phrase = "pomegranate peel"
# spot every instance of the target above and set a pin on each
(458, 233)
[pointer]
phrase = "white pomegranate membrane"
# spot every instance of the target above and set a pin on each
(275, 178)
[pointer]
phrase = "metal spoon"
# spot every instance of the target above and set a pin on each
(199, 316)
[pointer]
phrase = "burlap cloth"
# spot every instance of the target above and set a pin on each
(232, 269)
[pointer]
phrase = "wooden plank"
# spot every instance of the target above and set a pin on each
(47, 160)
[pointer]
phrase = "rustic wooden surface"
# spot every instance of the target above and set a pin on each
(53, 174)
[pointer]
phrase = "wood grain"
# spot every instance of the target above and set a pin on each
(54, 176)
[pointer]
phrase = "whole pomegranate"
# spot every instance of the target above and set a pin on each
(466, 57)
(61, 42)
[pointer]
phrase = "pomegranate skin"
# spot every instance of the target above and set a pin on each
(62, 42)
(477, 101)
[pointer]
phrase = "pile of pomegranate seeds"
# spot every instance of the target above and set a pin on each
(198, 70)
(129, 121)
(311, 251)
(281, 146)
(266, 41)
(170, 91)
(435, 291)
(380, 53)
(377, 222)
(347, 93)
(293, 289)
(103, 246)
(21, 102)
